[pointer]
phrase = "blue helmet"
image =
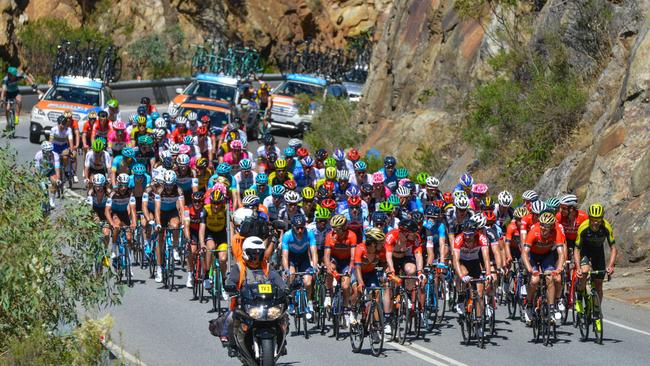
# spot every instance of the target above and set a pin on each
(262, 178)
(142, 110)
(298, 220)
(466, 180)
(278, 191)
(128, 152)
(139, 169)
(155, 115)
(245, 164)
(353, 190)
(338, 155)
(223, 168)
(188, 140)
(390, 161)
(289, 152)
(360, 166)
(308, 161)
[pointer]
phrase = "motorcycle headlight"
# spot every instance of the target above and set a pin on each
(275, 312)
(256, 312)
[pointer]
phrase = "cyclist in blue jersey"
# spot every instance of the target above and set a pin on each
(185, 178)
(435, 234)
(120, 209)
(169, 204)
(299, 252)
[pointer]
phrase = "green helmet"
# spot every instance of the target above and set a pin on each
(401, 173)
(394, 200)
(98, 145)
(323, 213)
(552, 204)
(386, 207)
(145, 140)
(421, 178)
(330, 162)
(113, 103)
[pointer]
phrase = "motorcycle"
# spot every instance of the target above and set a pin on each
(260, 324)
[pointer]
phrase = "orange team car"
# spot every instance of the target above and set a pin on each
(210, 87)
(78, 94)
(215, 112)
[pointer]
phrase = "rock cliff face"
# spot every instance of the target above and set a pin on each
(427, 59)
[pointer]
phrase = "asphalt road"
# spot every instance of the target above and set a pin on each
(160, 327)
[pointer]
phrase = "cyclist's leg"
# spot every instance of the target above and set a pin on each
(553, 282)
(531, 289)
(19, 104)
(222, 239)
(462, 287)
(194, 250)
(598, 264)
(585, 267)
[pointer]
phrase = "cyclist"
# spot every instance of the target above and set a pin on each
(168, 204)
(514, 245)
(120, 209)
(113, 110)
(46, 163)
(245, 177)
(280, 174)
(570, 218)
(140, 129)
(527, 222)
(504, 210)
(97, 198)
(10, 89)
(87, 131)
(305, 174)
(338, 256)
(101, 128)
(118, 139)
(73, 124)
(97, 162)
(139, 180)
(212, 232)
(191, 228)
(299, 253)
(543, 253)
(367, 257)
(456, 215)
(465, 183)
(589, 253)
(320, 227)
(261, 186)
(291, 208)
(479, 191)
(145, 152)
(236, 153)
(357, 217)
(122, 164)
(62, 139)
(308, 205)
(388, 171)
(436, 234)
(204, 143)
(185, 178)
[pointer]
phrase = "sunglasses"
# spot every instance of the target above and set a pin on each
(299, 228)
(321, 221)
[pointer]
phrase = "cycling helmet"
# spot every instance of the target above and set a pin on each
(192, 117)
(466, 180)
(181, 121)
(132, 117)
(118, 125)
(393, 199)
(390, 161)
(338, 221)
(141, 120)
(354, 201)
(47, 146)
(432, 182)
(538, 207)
(343, 174)
(366, 188)
(241, 214)
(269, 139)
(139, 169)
(569, 200)
(478, 220)
(123, 179)
(360, 166)
(292, 197)
(184, 149)
(461, 202)
(60, 120)
(490, 217)
(217, 196)
(432, 211)
(302, 152)
(379, 217)
(505, 199)
(401, 173)
(487, 203)
(290, 184)
(295, 143)
(128, 152)
(321, 154)
(113, 103)
(166, 116)
(353, 190)
(102, 114)
(330, 172)
(249, 192)
(92, 115)
(308, 193)
(235, 145)
(183, 160)
(280, 164)
(245, 164)
(547, 218)
(202, 162)
(439, 203)
(552, 204)
(262, 178)
(188, 140)
(354, 155)
(530, 195)
(307, 161)
(460, 194)
(155, 115)
(322, 213)
(251, 200)
(99, 179)
(289, 152)
(408, 225)
(469, 227)
(198, 196)
(330, 163)
(298, 220)
(520, 212)
(278, 191)
(375, 235)
(479, 188)
(417, 216)
(142, 110)
(202, 131)
(386, 207)
(145, 140)
(328, 203)
(169, 177)
(338, 155)
(377, 178)
(403, 191)
(145, 100)
(175, 149)
(98, 145)
(448, 197)
(410, 185)
(160, 133)
(223, 168)
(596, 211)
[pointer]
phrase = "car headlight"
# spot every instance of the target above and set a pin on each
(256, 312)
(275, 312)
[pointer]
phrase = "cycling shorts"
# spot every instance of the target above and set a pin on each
(100, 213)
(300, 262)
(597, 263)
(544, 262)
(398, 263)
(166, 216)
(124, 217)
(570, 243)
(342, 265)
(62, 149)
(473, 267)
(12, 95)
(220, 238)
(515, 252)
(93, 171)
(370, 279)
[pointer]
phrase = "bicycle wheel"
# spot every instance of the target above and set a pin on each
(430, 311)
(417, 316)
(402, 320)
(546, 325)
(357, 332)
(198, 283)
(216, 288)
(304, 310)
(479, 331)
(441, 301)
(493, 317)
(127, 267)
(376, 328)
(170, 269)
(584, 320)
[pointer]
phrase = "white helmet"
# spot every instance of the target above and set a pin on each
(461, 202)
(478, 220)
(295, 143)
(47, 146)
(251, 199)
(183, 159)
(192, 116)
(403, 191)
(530, 195)
(343, 174)
(160, 123)
(99, 179)
(173, 111)
(569, 200)
(505, 199)
(252, 243)
(432, 182)
(181, 120)
(157, 174)
(241, 214)
(123, 178)
(165, 154)
(169, 177)
(175, 149)
(292, 197)
(537, 207)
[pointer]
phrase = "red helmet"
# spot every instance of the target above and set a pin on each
(490, 217)
(328, 203)
(448, 197)
(353, 154)
(354, 201)
(302, 152)
(205, 119)
(329, 185)
(439, 203)
(202, 131)
(290, 184)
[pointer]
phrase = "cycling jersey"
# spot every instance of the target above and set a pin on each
(46, 164)
(275, 180)
(512, 235)
(203, 178)
(273, 209)
(99, 131)
(434, 231)
(571, 226)
(118, 140)
(243, 182)
(494, 234)
(137, 132)
(119, 202)
(12, 85)
(470, 250)
(168, 198)
(186, 181)
(341, 245)
(60, 138)
(139, 184)
(503, 214)
(403, 248)
(230, 159)
(318, 234)
(304, 179)
(543, 245)
(214, 221)
(362, 261)
(98, 162)
(588, 240)
(455, 218)
(284, 215)
(298, 246)
(194, 217)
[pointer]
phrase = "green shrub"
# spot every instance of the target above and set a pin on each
(153, 55)
(334, 126)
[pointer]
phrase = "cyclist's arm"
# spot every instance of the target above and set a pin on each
(157, 213)
(3, 93)
(327, 255)
(485, 250)
(456, 261)
(202, 234)
(108, 213)
(132, 211)
(613, 253)
(285, 252)
(419, 261)
(359, 275)
(186, 224)
(313, 248)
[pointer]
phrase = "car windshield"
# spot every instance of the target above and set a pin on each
(291, 89)
(211, 90)
(73, 94)
(217, 119)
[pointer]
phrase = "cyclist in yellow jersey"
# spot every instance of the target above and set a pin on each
(212, 232)
(203, 173)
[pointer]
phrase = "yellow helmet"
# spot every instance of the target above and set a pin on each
(338, 221)
(280, 164)
(330, 173)
(547, 218)
(308, 193)
(249, 192)
(520, 212)
(217, 196)
(375, 234)
(67, 113)
(141, 120)
(596, 211)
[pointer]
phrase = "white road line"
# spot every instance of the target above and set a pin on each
(417, 354)
(124, 355)
(449, 360)
(626, 327)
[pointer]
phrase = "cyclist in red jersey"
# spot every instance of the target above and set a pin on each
(102, 127)
(340, 244)
(181, 130)
(544, 253)
(570, 218)
(513, 239)
(367, 257)
(527, 222)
